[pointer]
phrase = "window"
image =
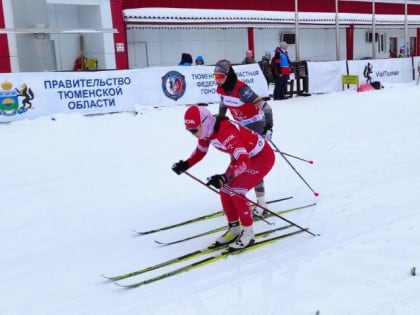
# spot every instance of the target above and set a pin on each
(369, 37)
(382, 43)
(289, 38)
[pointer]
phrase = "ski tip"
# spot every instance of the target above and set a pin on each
(122, 285)
(128, 286)
(161, 243)
(107, 277)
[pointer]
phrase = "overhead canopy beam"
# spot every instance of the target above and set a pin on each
(175, 17)
(56, 31)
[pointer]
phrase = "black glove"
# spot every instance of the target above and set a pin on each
(180, 167)
(267, 132)
(267, 127)
(217, 181)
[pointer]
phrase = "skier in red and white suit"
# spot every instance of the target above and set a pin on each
(251, 159)
(246, 107)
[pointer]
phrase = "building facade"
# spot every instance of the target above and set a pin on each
(122, 34)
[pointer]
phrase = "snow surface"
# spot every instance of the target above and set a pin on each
(73, 189)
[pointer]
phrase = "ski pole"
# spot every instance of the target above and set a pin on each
(294, 156)
(252, 202)
(290, 164)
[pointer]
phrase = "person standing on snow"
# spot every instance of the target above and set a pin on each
(281, 71)
(249, 57)
(251, 159)
(247, 108)
(265, 65)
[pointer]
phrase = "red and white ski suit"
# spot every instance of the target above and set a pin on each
(240, 102)
(251, 159)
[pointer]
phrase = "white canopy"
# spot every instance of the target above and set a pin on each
(176, 17)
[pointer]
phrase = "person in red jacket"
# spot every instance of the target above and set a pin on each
(251, 159)
(281, 71)
(246, 107)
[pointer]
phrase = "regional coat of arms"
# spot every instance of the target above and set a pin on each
(9, 99)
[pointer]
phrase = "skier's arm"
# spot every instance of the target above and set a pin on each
(268, 113)
(199, 152)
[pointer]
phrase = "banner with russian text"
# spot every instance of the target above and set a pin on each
(31, 95)
(190, 85)
(392, 70)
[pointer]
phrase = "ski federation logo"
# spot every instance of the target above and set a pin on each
(9, 99)
(173, 85)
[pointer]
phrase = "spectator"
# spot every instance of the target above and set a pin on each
(281, 71)
(186, 60)
(402, 53)
(199, 61)
(266, 67)
(249, 57)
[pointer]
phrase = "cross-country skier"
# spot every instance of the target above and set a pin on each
(246, 107)
(251, 159)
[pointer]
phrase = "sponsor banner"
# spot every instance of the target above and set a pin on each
(326, 77)
(393, 70)
(191, 84)
(31, 95)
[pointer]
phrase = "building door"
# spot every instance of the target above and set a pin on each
(393, 48)
(413, 46)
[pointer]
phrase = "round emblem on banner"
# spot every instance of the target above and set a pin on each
(173, 85)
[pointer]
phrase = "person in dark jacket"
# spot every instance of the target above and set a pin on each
(249, 57)
(186, 60)
(281, 71)
(265, 65)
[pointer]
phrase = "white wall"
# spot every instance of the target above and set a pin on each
(51, 52)
(69, 46)
(33, 53)
(164, 47)
(160, 47)
(363, 49)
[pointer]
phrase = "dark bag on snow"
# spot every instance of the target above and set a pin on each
(376, 85)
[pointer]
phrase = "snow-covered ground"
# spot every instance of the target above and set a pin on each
(73, 188)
